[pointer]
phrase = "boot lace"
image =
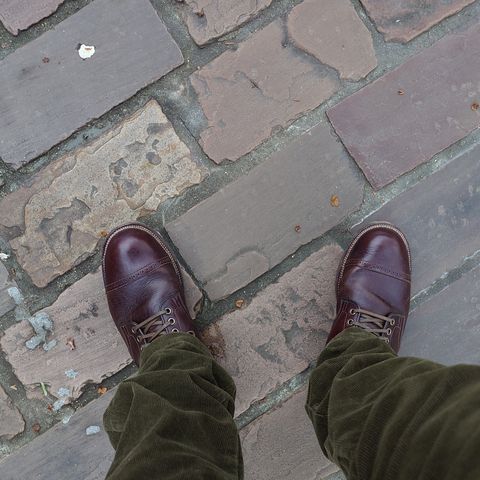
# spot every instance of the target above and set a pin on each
(372, 322)
(155, 325)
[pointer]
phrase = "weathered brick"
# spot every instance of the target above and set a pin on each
(281, 444)
(440, 217)
(12, 421)
(55, 221)
(247, 93)
(334, 34)
(397, 122)
(18, 15)
(65, 451)
(252, 224)
(80, 312)
(446, 327)
(402, 20)
(281, 331)
(7, 302)
(48, 91)
(210, 19)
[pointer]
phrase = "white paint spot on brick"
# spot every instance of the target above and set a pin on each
(86, 51)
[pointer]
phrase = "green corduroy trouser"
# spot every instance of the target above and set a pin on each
(377, 415)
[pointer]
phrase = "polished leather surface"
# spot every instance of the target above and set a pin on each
(141, 279)
(375, 275)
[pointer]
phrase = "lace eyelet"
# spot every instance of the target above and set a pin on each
(352, 311)
(350, 321)
(392, 322)
(171, 321)
(389, 331)
(168, 311)
(387, 340)
(175, 330)
(191, 332)
(139, 339)
(133, 330)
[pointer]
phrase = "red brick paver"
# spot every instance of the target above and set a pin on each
(18, 15)
(282, 445)
(333, 33)
(407, 116)
(402, 20)
(12, 421)
(210, 19)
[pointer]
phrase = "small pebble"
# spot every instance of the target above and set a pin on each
(92, 430)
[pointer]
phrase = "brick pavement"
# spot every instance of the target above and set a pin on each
(241, 131)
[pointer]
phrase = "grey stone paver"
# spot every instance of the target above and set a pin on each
(281, 331)
(210, 19)
(12, 421)
(244, 98)
(65, 451)
(252, 224)
(334, 34)
(282, 445)
(57, 219)
(18, 15)
(398, 122)
(440, 217)
(7, 298)
(402, 20)
(446, 327)
(48, 91)
(80, 313)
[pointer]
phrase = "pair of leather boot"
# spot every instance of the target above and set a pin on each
(145, 293)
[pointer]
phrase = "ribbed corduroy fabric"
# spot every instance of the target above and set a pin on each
(377, 415)
(384, 417)
(174, 419)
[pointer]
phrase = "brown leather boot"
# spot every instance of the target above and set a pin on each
(373, 284)
(144, 287)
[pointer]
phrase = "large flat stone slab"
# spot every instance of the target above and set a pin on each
(333, 33)
(440, 217)
(18, 15)
(281, 331)
(397, 122)
(252, 224)
(281, 445)
(80, 313)
(7, 301)
(65, 451)
(210, 19)
(402, 20)
(56, 220)
(446, 327)
(12, 421)
(48, 91)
